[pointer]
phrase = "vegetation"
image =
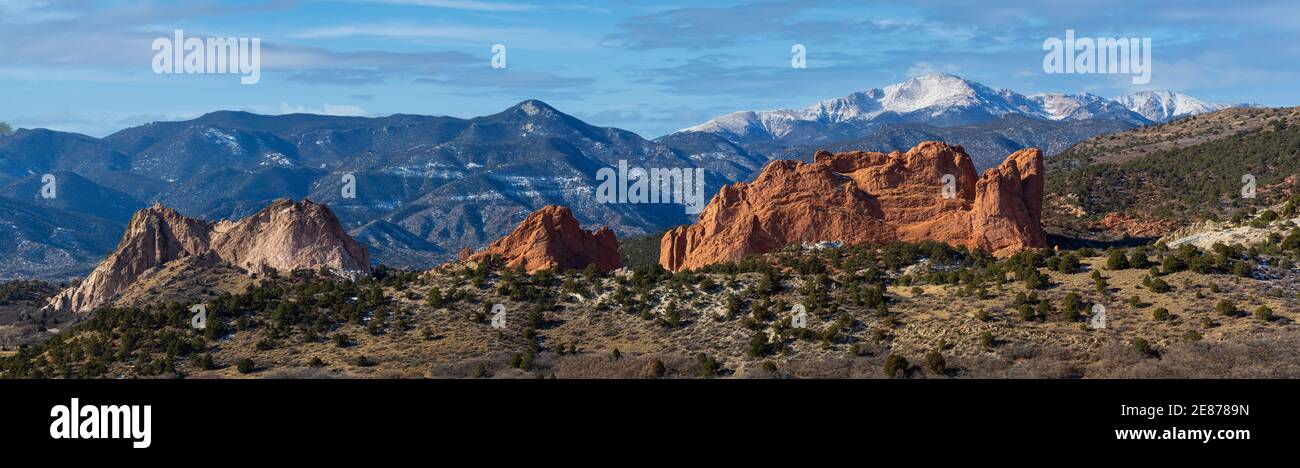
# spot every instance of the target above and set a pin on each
(856, 299)
(1193, 182)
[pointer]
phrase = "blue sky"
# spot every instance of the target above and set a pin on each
(647, 66)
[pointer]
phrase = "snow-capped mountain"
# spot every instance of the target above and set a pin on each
(1058, 106)
(936, 99)
(1163, 106)
(941, 100)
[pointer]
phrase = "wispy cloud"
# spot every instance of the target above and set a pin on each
(473, 5)
(449, 34)
(408, 30)
(497, 7)
(697, 28)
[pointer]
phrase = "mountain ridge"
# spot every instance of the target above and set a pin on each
(939, 100)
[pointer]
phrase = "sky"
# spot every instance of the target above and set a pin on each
(651, 67)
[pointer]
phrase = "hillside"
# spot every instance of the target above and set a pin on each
(1148, 181)
(902, 310)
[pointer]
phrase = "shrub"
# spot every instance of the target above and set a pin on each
(1159, 285)
(935, 363)
(363, 361)
(1069, 264)
(316, 362)
(1143, 347)
(245, 366)
(1045, 308)
(265, 344)
(1191, 336)
(896, 366)
(982, 315)
(1161, 314)
(342, 340)
(1263, 313)
(1035, 279)
(1117, 260)
(1071, 306)
(526, 362)
(758, 345)
(657, 369)
(707, 365)
(1241, 269)
(1226, 308)
(203, 362)
(987, 340)
(1026, 313)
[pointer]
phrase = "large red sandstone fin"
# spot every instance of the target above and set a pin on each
(552, 239)
(868, 197)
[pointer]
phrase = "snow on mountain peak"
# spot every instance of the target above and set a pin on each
(1162, 106)
(943, 99)
(932, 90)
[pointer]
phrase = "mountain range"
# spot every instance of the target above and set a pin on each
(427, 187)
(989, 123)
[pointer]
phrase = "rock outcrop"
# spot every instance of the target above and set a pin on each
(866, 197)
(552, 239)
(283, 237)
(286, 236)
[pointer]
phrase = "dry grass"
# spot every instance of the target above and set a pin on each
(939, 316)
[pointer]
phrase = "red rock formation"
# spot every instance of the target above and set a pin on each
(863, 197)
(550, 238)
(284, 236)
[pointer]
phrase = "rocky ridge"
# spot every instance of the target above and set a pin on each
(867, 197)
(281, 237)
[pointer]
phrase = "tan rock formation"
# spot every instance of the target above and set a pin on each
(867, 197)
(284, 236)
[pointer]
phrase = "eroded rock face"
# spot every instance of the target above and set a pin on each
(284, 236)
(865, 197)
(552, 239)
